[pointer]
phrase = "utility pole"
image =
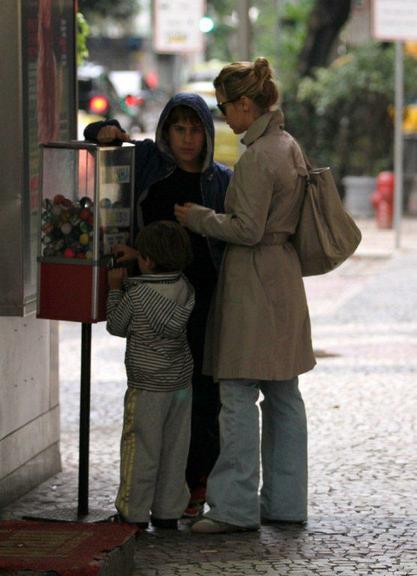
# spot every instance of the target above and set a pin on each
(398, 140)
(244, 30)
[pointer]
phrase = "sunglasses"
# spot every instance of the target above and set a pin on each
(222, 105)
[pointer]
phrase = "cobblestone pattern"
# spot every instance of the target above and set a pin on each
(362, 404)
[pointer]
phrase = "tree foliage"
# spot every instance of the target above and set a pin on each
(220, 42)
(83, 30)
(352, 109)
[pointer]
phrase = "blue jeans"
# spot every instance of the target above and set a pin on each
(232, 490)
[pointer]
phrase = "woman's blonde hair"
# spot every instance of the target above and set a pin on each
(251, 79)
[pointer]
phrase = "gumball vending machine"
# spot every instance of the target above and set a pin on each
(87, 207)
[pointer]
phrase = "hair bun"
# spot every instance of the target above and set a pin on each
(251, 79)
(262, 69)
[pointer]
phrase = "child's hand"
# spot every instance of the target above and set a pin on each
(124, 253)
(115, 277)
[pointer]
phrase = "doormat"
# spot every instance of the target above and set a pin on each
(66, 548)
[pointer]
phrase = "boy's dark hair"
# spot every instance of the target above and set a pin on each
(167, 244)
(182, 113)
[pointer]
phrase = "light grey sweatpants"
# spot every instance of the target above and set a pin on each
(154, 449)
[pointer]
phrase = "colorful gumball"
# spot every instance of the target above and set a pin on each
(69, 253)
(86, 202)
(59, 199)
(84, 239)
(67, 202)
(84, 227)
(105, 203)
(65, 215)
(59, 245)
(48, 251)
(47, 227)
(66, 228)
(84, 214)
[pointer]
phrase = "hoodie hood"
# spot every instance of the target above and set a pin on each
(168, 302)
(198, 104)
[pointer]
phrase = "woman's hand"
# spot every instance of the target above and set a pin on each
(124, 253)
(181, 212)
(109, 134)
(115, 277)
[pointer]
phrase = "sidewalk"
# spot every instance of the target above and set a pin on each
(361, 401)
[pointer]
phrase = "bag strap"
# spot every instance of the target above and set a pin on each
(308, 164)
(306, 160)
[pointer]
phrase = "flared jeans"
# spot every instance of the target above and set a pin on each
(233, 486)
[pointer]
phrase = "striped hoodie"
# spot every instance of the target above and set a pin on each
(151, 312)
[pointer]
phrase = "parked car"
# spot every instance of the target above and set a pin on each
(98, 100)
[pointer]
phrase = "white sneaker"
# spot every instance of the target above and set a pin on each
(209, 526)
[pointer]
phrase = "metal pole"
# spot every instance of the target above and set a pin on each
(244, 32)
(398, 141)
(84, 419)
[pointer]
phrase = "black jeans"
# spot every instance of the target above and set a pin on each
(205, 444)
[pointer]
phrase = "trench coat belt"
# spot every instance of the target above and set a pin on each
(274, 239)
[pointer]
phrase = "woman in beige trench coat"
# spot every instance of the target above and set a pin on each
(259, 338)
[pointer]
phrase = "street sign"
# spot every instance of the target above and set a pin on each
(177, 26)
(394, 20)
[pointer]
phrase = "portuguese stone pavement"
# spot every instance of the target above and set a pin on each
(361, 402)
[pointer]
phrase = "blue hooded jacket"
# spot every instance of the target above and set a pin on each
(154, 162)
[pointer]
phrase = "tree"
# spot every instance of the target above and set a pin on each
(325, 22)
(83, 31)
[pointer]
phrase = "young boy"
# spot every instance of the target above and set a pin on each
(151, 311)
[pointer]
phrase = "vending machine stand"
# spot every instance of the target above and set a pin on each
(86, 208)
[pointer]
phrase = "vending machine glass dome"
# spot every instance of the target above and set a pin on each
(86, 208)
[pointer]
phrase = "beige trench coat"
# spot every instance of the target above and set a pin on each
(259, 327)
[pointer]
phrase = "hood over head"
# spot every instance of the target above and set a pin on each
(169, 300)
(198, 104)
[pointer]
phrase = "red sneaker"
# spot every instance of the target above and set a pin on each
(196, 504)
(193, 510)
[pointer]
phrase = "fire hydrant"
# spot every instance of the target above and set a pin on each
(383, 199)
